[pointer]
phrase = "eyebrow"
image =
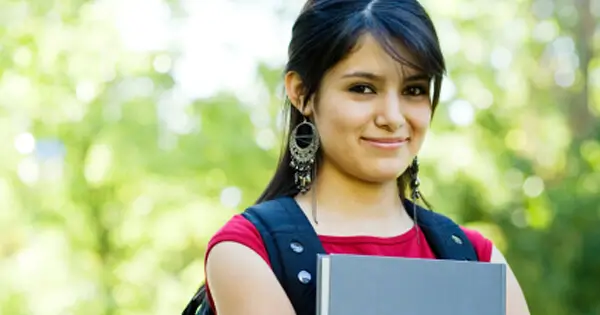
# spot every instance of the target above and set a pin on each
(377, 77)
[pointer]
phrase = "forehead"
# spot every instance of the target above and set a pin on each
(369, 55)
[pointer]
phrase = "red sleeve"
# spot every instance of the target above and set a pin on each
(241, 231)
(483, 246)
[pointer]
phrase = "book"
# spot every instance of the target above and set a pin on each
(374, 285)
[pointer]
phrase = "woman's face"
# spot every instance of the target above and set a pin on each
(372, 114)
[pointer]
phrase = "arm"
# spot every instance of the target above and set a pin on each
(242, 283)
(515, 300)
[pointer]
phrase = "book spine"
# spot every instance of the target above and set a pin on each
(323, 277)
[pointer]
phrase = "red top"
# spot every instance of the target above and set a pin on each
(242, 231)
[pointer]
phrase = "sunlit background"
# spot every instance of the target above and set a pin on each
(135, 128)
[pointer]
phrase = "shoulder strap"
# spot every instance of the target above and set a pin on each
(446, 238)
(292, 245)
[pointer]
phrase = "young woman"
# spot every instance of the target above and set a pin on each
(362, 82)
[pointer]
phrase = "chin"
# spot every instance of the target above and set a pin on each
(384, 172)
(381, 176)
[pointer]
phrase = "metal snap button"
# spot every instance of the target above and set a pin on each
(304, 276)
(457, 240)
(296, 247)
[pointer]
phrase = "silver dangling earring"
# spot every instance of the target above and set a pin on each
(303, 150)
(414, 180)
(413, 170)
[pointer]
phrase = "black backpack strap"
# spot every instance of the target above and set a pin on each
(259, 217)
(203, 309)
(293, 245)
(446, 239)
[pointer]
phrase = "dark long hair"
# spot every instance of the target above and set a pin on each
(325, 32)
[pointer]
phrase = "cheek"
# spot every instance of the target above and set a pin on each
(419, 119)
(340, 123)
(340, 118)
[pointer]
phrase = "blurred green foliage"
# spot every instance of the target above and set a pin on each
(110, 185)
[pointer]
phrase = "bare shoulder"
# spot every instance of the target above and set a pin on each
(241, 282)
(515, 299)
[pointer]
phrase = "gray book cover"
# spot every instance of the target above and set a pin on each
(373, 285)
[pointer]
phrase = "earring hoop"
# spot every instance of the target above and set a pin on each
(303, 150)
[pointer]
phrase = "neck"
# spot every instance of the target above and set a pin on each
(340, 192)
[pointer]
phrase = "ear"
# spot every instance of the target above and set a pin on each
(294, 89)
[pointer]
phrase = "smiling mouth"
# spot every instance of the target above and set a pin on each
(386, 140)
(386, 143)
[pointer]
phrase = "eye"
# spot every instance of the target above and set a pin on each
(415, 91)
(362, 89)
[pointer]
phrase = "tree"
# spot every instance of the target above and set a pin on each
(112, 183)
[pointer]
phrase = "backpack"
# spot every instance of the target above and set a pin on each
(293, 245)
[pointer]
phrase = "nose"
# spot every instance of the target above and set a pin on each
(390, 115)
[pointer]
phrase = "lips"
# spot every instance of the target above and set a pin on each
(386, 143)
(386, 140)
